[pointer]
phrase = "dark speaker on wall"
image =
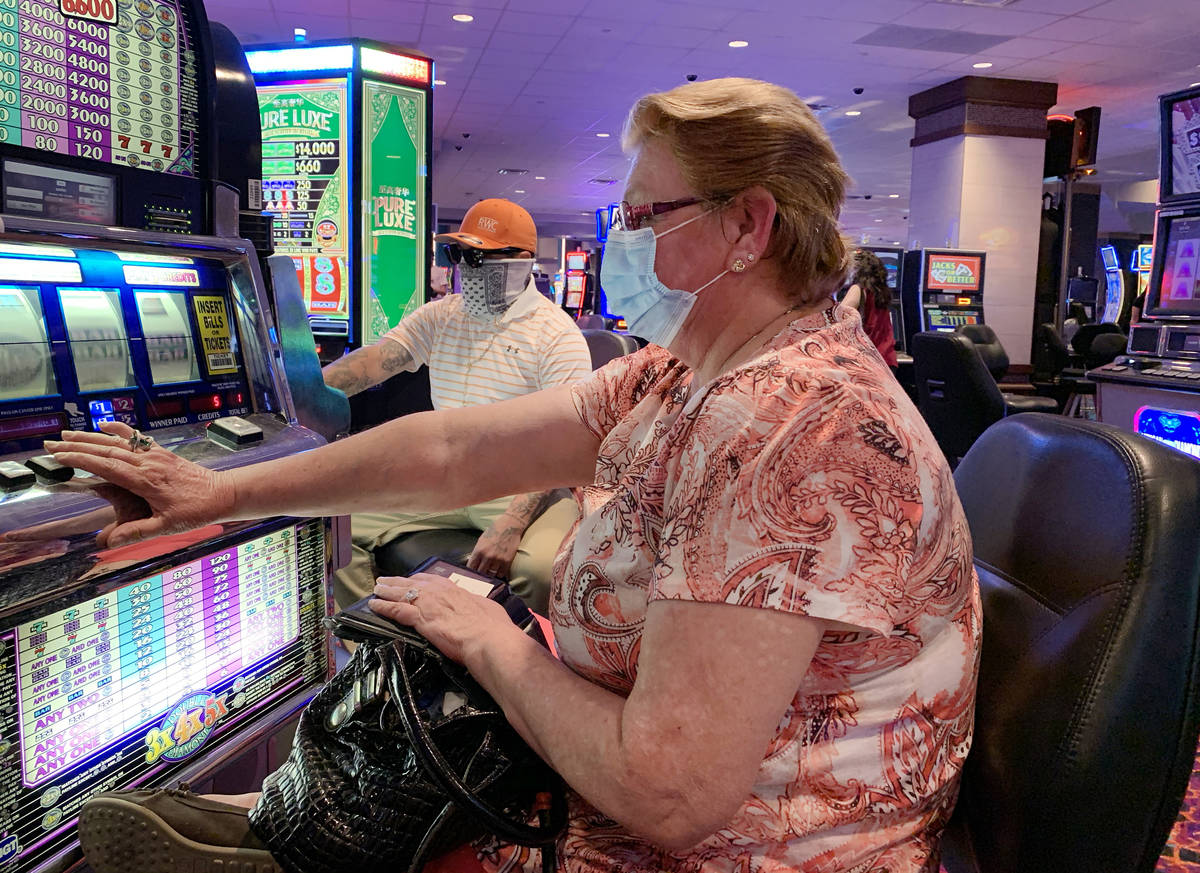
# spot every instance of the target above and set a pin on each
(1085, 137)
(1060, 134)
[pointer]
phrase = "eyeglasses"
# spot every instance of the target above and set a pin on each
(475, 257)
(629, 217)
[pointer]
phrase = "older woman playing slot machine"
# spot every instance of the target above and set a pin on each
(767, 617)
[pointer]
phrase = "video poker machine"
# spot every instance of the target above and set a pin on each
(347, 132)
(942, 289)
(1154, 389)
(126, 294)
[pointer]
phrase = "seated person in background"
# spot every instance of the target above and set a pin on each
(870, 295)
(498, 339)
(768, 619)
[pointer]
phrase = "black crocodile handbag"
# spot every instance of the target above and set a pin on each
(401, 758)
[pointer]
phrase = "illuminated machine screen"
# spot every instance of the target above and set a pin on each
(26, 369)
(59, 193)
(1184, 171)
(576, 260)
(1179, 430)
(949, 272)
(574, 293)
(305, 186)
(1108, 254)
(108, 80)
(1178, 290)
(127, 680)
(949, 319)
(891, 263)
(394, 178)
(1143, 259)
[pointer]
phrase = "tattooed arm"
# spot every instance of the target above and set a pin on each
(368, 366)
(497, 546)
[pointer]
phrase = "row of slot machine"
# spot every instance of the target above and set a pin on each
(130, 170)
(932, 289)
(1154, 389)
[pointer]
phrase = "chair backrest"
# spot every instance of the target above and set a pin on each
(1105, 349)
(1050, 353)
(590, 321)
(955, 392)
(604, 345)
(1082, 341)
(988, 347)
(1086, 718)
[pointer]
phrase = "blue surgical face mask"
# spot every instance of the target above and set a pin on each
(651, 309)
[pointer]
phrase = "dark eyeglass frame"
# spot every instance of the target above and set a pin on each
(474, 257)
(630, 217)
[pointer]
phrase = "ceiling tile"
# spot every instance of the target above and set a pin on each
(1077, 29)
(527, 22)
(1027, 47)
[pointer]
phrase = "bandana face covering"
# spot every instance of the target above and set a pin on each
(488, 290)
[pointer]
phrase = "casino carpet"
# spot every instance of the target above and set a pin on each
(1182, 853)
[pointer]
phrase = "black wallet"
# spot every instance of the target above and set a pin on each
(360, 624)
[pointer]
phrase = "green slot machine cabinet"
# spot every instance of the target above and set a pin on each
(347, 130)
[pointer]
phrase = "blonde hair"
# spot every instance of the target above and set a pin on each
(730, 134)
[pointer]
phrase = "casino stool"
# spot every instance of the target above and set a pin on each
(604, 346)
(1087, 716)
(408, 551)
(991, 352)
(590, 321)
(957, 395)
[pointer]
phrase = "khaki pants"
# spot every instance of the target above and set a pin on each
(530, 573)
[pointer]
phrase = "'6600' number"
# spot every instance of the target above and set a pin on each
(93, 10)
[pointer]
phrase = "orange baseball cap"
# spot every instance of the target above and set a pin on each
(495, 224)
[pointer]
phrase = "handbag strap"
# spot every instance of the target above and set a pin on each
(443, 774)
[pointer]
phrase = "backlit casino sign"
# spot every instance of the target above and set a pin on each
(953, 273)
(108, 80)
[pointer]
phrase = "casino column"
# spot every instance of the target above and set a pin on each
(978, 151)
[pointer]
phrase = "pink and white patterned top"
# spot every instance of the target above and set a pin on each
(803, 481)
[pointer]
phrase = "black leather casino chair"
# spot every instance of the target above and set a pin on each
(604, 346)
(1087, 712)
(988, 347)
(957, 395)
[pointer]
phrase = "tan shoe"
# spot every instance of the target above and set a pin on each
(166, 831)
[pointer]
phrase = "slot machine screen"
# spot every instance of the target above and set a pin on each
(59, 194)
(1178, 260)
(950, 319)
(951, 272)
(891, 263)
(168, 334)
(1108, 255)
(1182, 175)
(124, 681)
(1171, 427)
(115, 82)
(305, 187)
(576, 260)
(574, 294)
(25, 364)
(97, 338)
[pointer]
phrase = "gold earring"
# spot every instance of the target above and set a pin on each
(739, 266)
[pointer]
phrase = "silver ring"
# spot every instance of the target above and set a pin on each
(411, 595)
(139, 442)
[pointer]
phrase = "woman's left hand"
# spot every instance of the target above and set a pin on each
(458, 622)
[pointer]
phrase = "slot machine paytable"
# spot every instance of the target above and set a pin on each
(127, 295)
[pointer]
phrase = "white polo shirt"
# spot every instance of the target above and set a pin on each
(530, 346)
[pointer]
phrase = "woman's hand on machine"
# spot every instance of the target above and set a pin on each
(156, 492)
(458, 622)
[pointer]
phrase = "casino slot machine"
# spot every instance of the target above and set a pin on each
(576, 282)
(1154, 389)
(344, 123)
(1113, 303)
(942, 289)
(126, 294)
(892, 258)
(1141, 265)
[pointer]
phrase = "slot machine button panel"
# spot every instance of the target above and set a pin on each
(234, 432)
(48, 470)
(14, 476)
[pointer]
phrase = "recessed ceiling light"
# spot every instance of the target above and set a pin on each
(893, 196)
(439, 81)
(738, 43)
(853, 113)
(878, 220)
(519, 191)
(603, 135)
(983, 65)
(463, 17)
(540, 178)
